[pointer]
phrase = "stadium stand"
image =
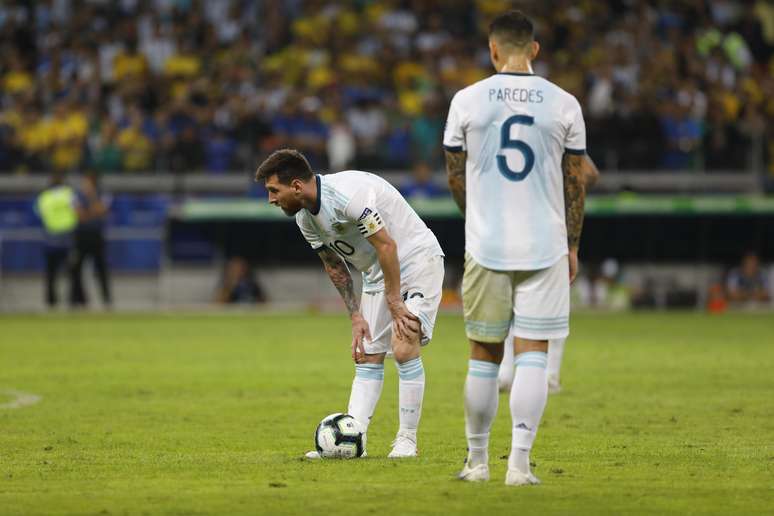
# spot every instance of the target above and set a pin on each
(174, 102)
(178, 86)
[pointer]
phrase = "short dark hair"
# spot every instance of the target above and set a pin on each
(512, 28)
(287, 164)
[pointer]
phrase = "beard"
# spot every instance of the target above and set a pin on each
(291, 210)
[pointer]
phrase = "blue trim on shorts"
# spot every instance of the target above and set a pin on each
(541, 323)
(489, 329)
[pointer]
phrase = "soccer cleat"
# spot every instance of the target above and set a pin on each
(315, 455)
(404, 446)
(479, 473)
(519, 478)
(553, 385)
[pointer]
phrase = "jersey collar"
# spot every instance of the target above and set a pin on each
(515, 73)
(316, 208)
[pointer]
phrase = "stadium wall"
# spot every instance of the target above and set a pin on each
(643, 285)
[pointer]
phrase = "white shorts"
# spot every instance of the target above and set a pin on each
(534, 304)
(422, 295)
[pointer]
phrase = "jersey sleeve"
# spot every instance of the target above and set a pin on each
(454, 132)
(363, 211)
(575, 141)
(310, 233)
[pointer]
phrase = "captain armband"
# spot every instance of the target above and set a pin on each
(369, 223)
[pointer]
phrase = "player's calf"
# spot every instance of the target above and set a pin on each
(411, 389)
(528, 400)
(480, 404)
(366, 390)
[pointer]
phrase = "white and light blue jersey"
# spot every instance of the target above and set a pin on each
(353, 205)
(515, 129)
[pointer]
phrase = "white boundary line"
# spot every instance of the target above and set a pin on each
(20, 399)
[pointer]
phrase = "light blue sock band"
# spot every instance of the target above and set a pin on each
(370, 371)
(532, 359)
(410, 370)
(483, 369)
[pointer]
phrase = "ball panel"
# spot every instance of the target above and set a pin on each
(326, 441)
(349, 426)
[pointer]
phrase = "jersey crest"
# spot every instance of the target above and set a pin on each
(338, 227)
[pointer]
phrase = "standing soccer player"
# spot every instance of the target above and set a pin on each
(515, 147)
(358, 218)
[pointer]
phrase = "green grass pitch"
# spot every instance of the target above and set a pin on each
(209, 414)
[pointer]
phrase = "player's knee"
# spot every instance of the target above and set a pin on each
(375, 358)
(486, 351)
(405, 354)
(405, 350)
(527, 345)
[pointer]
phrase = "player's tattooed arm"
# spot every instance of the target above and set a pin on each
(574, 196)
(574, 199)
(340, 277)
(339, 273)
(590, 171)
(455, 170)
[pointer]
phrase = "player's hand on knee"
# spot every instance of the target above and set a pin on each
(404, 323)
(412, 328)
(360, 332)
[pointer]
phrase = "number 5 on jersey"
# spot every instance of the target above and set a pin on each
(506, 142)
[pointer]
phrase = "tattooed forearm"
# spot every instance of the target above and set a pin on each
(455, 170)
(574, 196)
(340, 277)
(590, 171)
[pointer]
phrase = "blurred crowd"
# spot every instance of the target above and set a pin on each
(137, 86)
(608, 286)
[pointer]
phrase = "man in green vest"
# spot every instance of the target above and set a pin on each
(56, 207)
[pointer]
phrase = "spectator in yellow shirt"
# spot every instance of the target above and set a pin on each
(17, 79)
(182, 66)
(34, 135)
(137, 148)
(129, 65)
(68, 129)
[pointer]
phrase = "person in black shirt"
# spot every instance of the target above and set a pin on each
(747, 283)
(239, 284)
(90, 241)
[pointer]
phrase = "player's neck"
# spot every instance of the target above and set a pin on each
(312, 197)
(516, 64)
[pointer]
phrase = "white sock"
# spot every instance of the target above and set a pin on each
(555, 352)
(411, 390)
(366, 390)
(480, 408)
(505, 377)
(528, 400)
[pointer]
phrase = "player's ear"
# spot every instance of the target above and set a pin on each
(535, 50)
(493, 55)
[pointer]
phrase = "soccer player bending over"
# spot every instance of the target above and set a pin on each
(515, 151)
(359, 219)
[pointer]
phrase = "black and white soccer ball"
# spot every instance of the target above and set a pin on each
(339, 436)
